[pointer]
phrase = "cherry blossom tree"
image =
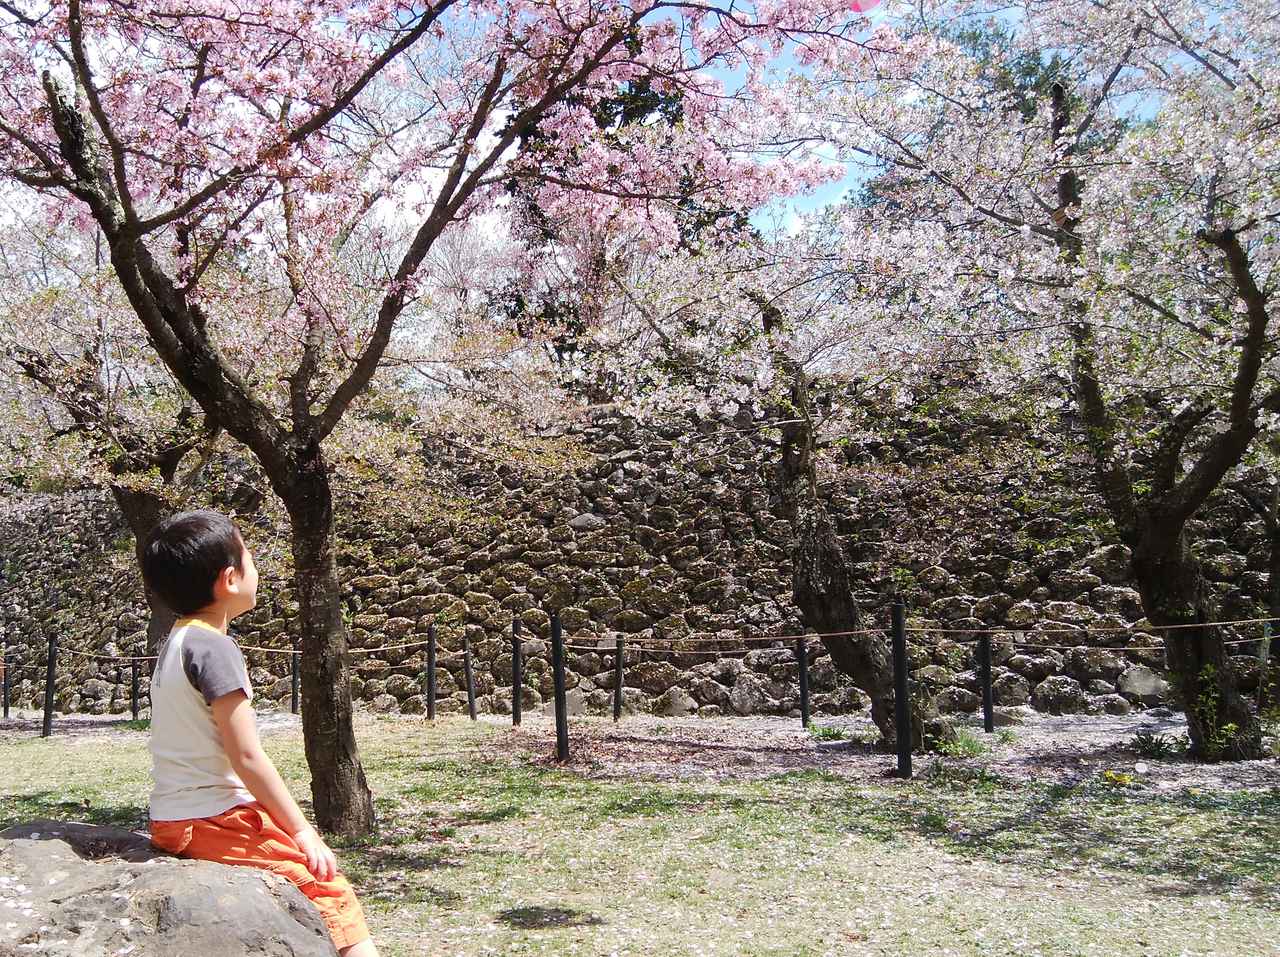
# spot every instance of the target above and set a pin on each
(89, 403)
(279, 132)
(1119, 221)
(773, 334)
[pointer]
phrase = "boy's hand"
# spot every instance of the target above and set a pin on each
(320, 860)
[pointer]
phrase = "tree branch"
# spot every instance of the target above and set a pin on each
(1226, 448)
(300, 133)
(452, 196)
(1174, 436)
(85, 76)
(1101, 435)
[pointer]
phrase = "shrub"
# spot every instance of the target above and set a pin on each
(965, 744)
(823, 732)
(1159, 746)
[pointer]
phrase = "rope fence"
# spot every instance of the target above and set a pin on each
(664, 645)
(710, 646)
(1128, 629)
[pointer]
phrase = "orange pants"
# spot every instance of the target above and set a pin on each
(247, 835)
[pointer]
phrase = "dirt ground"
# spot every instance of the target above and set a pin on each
(1036, 746)
(1041, 747)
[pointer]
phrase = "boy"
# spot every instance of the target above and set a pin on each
(217, 795)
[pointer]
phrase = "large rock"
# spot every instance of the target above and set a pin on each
(1068, 612)
(1022, 615)
(1140, 683)
(575, 703)
(1036, 666)
(991, 609)
(1070, 582)
(1112, 704)
(587, 522)
(654, 677)
(1020, 581)
(1086, 663)
(1124, 602)
(675, 703)
(952, 607)
(935, 675)
(1059, 694)
(1010, 690)
(748, 695)
(1110, 563)
(77, 890)
(935, 578)
(957, 700)
(709, 691)
(1224, 567)
(402, 686)
(384, 703)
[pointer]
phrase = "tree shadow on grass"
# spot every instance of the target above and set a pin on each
(408, 891)
(1186, 844)
(19, 808)
(493, 815)
(537, 917)
(71, 725)
(410, 858)
(698, 745)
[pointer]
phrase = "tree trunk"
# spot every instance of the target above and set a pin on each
(1220, 723)
(822, 588)
(1273, 579)
(143, 511)
(1266, 687)
(822, 580)
(339, 792)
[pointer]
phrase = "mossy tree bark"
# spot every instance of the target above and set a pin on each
(1174, 592)
(143, 511)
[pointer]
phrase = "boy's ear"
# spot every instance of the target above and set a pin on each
(222, 584)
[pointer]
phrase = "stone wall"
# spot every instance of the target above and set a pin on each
(666, 534)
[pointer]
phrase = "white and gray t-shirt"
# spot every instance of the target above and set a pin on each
(192, 774)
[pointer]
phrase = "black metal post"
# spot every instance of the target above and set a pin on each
(51, 673)
(294, 664)
(617, 678)
(984, 675)
(431, 672)
(471, 681)
(901, 703)
(1264, 656)
(802, 659)
(8, 666)
(557, 668)
(133, 688)
(517, 673)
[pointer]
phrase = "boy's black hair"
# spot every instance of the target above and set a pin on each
(185, 554)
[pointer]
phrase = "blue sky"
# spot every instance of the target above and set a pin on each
(823, 196)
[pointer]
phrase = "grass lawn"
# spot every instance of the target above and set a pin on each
(482, 851)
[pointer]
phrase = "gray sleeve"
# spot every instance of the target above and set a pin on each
(214, 665)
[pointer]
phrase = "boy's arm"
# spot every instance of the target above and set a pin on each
(238, 728)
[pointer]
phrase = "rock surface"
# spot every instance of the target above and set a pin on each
(79, 890)
(1142, 683)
